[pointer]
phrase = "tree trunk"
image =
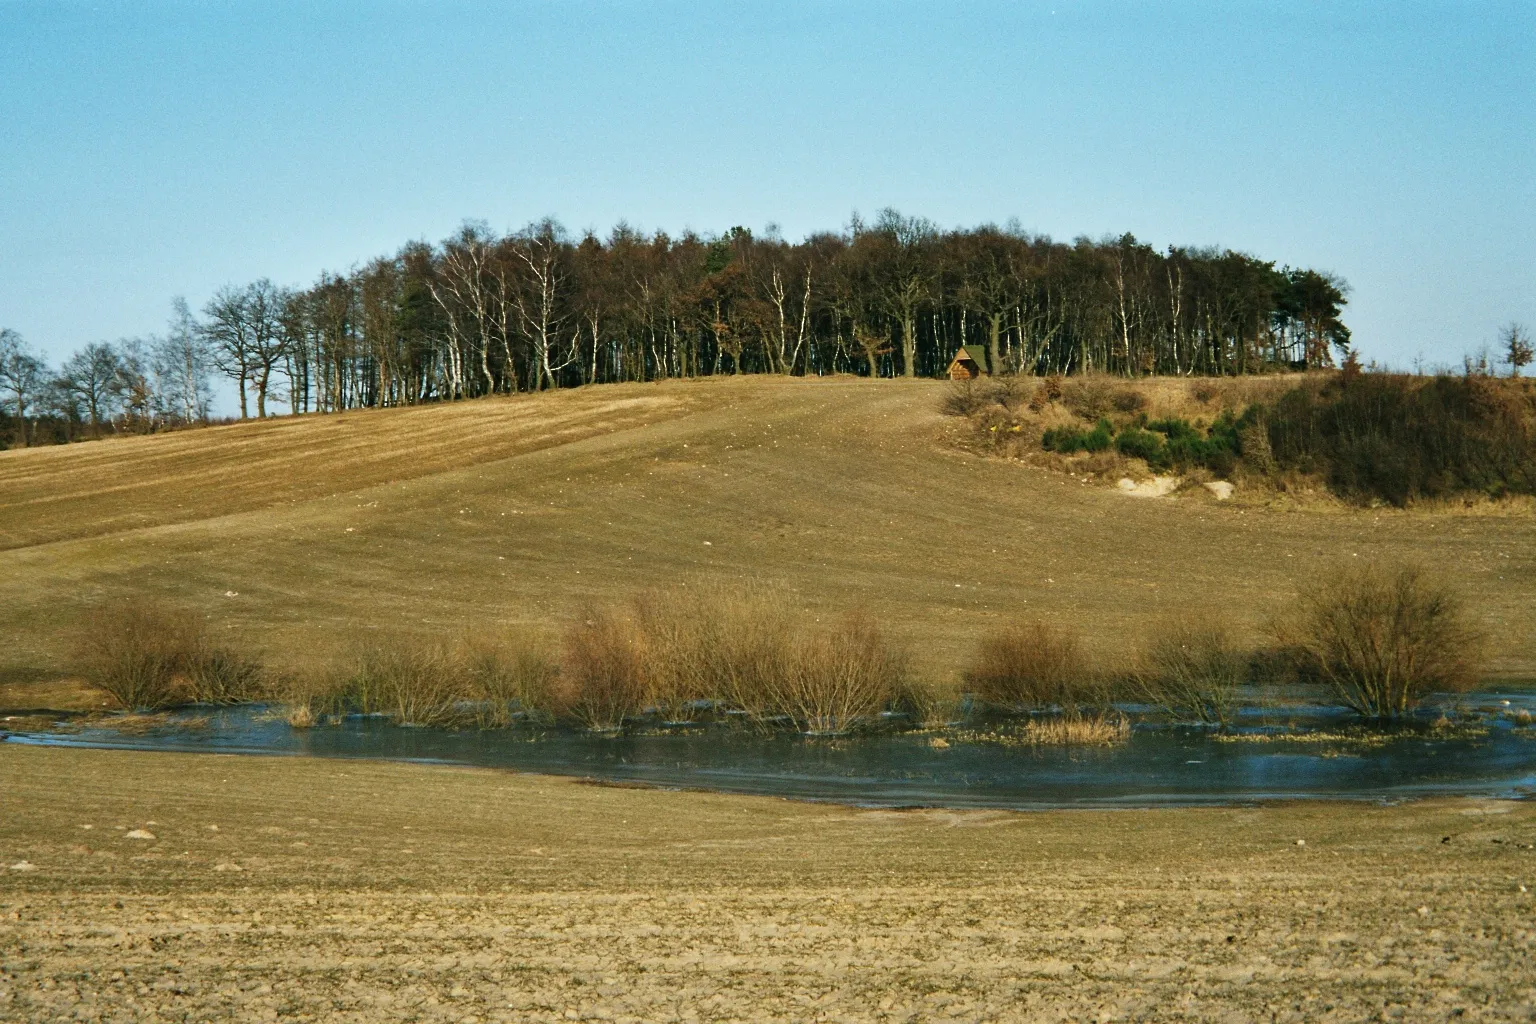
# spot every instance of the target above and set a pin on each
(994, 344)
(909, 345)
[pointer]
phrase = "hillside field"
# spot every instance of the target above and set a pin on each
(304, 889)
(297, 534)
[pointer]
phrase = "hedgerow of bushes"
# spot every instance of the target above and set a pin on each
(1378, 639)
(1367, 436)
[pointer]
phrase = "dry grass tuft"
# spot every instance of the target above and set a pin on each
(1102, 730)
(1097, 731)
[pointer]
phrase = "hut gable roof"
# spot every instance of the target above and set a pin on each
(976, 354)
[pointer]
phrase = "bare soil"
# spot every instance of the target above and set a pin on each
(295, 536)
(291, 888)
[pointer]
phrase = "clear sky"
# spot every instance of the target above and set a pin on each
(149, 150)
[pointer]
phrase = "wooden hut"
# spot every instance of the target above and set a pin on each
(969, 363)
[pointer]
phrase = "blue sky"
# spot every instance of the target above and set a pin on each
(149, 150)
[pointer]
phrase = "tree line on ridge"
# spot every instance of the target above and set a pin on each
(485, 313)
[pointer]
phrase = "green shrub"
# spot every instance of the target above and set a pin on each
(1214, 448)
(1144, 445)
(1068, 440)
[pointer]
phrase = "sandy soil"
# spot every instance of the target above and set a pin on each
(289, 888)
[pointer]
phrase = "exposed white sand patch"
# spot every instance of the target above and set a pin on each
(1157, 487)
(1221, 489)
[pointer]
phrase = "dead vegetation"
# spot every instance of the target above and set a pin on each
(1378, 640)
(1031, 666)
(1192, 670)
(1383, 637)
(146, 656)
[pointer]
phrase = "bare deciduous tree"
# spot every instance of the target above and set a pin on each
(246, 331)
(182, 365)
(92, 377)
(22, 376)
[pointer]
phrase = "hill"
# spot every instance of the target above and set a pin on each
(453, 519)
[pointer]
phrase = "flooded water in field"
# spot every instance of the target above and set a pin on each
(1308, 753)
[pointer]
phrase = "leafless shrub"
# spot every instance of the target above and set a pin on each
(1011, 392)
(151, 656)
(1029, 666)
(603, 678)
(840, 678)
(1128, 401)
(1088, 396)
(508, 681)
(305, 699)
(680, 634)
(413, 682)
(966, 397)
(222, 675)
(1192, 670)
(926, 705)
(137, 653)
(679, 654)
(1383, 638)
(1253, 445)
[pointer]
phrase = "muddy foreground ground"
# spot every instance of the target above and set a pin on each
(289, 888)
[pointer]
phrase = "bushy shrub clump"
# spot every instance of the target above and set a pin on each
(488, 682)
(673, 657)
(1028, 666)
(603, 673)
(1068, 440)
(1400, 438)
(839, 677)
(146, 656)
(1163, 444)
(1382, 639)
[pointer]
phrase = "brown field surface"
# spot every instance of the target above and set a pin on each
(296, 534)
(299, 889)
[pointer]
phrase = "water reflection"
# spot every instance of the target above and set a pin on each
(1158, 765)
